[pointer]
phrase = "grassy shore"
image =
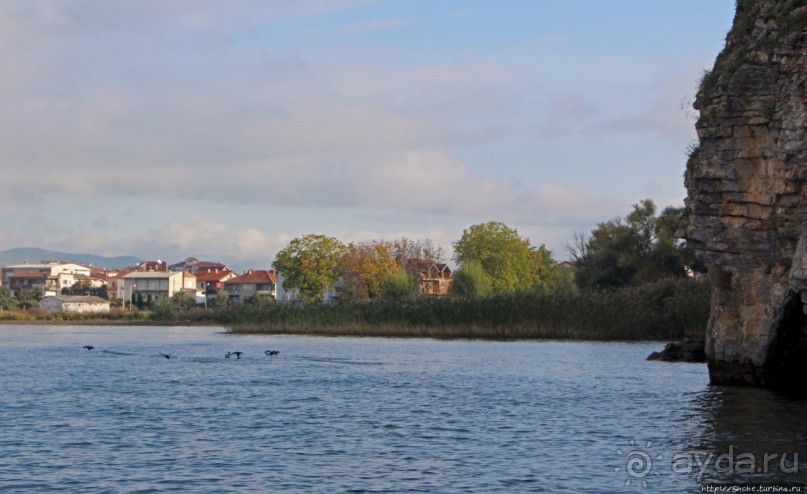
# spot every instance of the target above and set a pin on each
(670, 309)
(116, 317)
(666, 310)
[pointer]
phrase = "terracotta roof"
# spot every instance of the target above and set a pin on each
(154, 274)
(152, 266)
(196, 264)
(254, 276)
(210, 265)
(213, 276)
(101, 273)
(427, 269)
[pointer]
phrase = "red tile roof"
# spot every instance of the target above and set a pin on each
(254, 276)
(213, 275)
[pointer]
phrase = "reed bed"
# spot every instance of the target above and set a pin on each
(668, 309)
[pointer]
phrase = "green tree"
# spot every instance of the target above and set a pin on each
(260, 300)
(310, 264)
(220, 301)
(163, 310)
(183, 301)
(81, 287)
(6, 301)
(29, 298)
(508, 259)
(398, 285)
(101, 291)
(471, 281)
(638, 249)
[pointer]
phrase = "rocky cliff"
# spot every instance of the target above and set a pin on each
(747, 201)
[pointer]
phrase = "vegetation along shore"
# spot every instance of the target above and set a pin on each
(630, 279)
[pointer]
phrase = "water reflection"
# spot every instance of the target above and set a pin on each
(747, 435)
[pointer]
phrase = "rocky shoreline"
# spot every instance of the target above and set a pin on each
(693, 351)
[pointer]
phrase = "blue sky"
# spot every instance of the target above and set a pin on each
(223, 129)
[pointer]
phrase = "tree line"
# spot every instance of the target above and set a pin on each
(493, 259)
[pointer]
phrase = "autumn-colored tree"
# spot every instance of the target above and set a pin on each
(511, 263)
(364, 267)
(406, 250)
(311, 264)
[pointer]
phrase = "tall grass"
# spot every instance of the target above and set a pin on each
(668, 309)
(115, 316)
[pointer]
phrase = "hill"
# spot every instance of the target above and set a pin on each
(35, 255)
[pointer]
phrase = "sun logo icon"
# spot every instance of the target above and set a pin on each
(638, 463)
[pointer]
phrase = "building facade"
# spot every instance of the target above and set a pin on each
(157, 285)
(47, 278)
(253, 283)
(74, 303)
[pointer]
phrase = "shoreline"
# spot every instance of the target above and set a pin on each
(107, 322)
(458, 333)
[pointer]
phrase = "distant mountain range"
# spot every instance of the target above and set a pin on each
(34, 255)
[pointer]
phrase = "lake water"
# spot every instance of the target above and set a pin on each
(373, 415)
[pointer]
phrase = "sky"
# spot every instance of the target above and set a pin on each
(219, 129)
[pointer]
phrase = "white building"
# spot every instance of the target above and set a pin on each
(47, 278)
(157, 285)
(74, 303)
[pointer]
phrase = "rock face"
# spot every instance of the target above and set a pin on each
(747, 200)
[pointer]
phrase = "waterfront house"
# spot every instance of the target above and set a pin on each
(434, 278)
(254, 282)
(209, 281)
(46, 278)
(157, 285)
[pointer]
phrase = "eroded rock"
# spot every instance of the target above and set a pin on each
(747, 208)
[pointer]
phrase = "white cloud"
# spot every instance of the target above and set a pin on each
(552, 204)
(227, 105)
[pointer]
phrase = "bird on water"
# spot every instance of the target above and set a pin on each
(271, 353)
(88, 347)
(237, 354)
(167, 356)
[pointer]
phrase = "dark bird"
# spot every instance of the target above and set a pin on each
(167, 356)
(88, 347)
(271, 353)
(237, 354)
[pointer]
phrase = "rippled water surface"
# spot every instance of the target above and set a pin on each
(371, 415)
